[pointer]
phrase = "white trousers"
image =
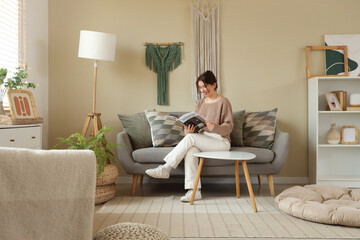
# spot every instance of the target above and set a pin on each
(194, 143)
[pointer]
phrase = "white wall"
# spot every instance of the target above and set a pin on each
(37, 28)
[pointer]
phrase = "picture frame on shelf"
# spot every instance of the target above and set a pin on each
(349, 135)
(22, 104)
(333, 102)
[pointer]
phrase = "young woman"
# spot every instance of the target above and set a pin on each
(217, 110)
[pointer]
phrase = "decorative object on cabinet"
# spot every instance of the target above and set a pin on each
(96, 46)
(349, 135)
(163, 58)
(22, 104)
(307, 53)
(205, 38)
(331, 164)
(333, 102)
(334, 59)
(342, 97)
(333, 136)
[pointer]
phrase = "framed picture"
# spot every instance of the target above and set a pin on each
(333, 102)
(22, 104)
(349, 135)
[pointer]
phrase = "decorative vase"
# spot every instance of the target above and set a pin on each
(2, 111)
(333, 135)
(105, 185)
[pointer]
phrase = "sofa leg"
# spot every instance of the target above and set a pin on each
(259, 179)
(271, 184)
(141, 179)
(134, 182)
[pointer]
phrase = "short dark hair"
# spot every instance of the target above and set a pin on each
(208, 78)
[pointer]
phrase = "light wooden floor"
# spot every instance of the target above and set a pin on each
(177, 189)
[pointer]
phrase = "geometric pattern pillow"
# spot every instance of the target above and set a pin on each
(259, 129)
(165, 131)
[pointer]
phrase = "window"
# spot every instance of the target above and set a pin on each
(12, 35)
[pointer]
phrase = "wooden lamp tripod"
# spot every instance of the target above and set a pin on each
(97, 46)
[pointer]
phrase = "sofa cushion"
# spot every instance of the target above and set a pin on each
(237, 132)
(259, 129)
(156, 155)
(165, 131)
(263, 155)
(138, 129)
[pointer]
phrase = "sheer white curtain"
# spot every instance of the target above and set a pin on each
(12, 36)
(205, 31)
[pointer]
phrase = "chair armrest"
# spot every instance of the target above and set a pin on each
(124, 151)
(281, 150)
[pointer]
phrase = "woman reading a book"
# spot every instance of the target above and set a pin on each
(217, 111)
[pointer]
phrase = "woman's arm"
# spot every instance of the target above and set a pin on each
(226, 121)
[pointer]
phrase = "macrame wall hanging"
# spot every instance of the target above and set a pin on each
(205, 31)
(163, 58)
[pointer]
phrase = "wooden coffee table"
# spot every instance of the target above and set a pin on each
(228, 156)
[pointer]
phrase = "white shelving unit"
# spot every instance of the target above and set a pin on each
(332, 164)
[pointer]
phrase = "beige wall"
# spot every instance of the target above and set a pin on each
(37, 41)
(262, 60)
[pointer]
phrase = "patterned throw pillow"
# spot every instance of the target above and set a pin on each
(259, 129)
(165, 131)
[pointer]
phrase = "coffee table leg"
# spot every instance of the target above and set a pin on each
(248, 182)
(237, 178)
(197, 180)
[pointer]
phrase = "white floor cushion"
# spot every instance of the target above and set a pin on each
(322, 203)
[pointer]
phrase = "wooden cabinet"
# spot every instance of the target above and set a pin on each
(332, 164)
(21, 136)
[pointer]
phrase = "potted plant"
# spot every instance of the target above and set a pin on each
(15, 82)
(107, 173)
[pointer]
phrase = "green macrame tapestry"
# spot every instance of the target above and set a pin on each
(162, 60)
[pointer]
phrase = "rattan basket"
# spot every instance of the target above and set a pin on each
(109, 175)
(104, 193)
(105, 184)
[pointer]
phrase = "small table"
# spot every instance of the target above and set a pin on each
(228, 156)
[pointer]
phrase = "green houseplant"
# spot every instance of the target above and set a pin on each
(107, 173)
(98, 144)
(15, 82)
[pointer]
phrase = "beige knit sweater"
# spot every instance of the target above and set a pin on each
(220, 113)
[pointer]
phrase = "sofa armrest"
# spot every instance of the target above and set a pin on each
(124, 151)
(281, 150)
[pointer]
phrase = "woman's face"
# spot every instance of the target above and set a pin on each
(206, 90)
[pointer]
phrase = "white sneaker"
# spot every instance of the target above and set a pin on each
(159, 172)
(187, 196)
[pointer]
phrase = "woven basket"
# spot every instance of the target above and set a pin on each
(105, 193)
(109, 175)
(105, 185)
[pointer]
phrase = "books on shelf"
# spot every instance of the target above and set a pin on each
(192, 118)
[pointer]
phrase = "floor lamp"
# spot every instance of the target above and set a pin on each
(96, 46)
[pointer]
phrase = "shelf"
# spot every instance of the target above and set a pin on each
(339, 178)
(339, 145)
(338, 112)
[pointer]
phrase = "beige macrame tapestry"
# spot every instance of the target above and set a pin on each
(205, 31)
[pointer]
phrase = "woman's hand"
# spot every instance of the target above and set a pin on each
(210, 125)
(189, 129)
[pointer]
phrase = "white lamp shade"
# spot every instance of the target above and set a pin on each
(97, 45)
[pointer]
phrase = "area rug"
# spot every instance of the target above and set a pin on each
(214, 217)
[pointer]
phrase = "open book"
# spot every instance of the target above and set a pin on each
(192, 118)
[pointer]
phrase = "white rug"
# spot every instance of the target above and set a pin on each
(215, 217)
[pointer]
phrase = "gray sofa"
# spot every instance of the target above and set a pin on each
(268, 162)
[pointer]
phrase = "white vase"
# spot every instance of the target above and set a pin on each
(333, 135)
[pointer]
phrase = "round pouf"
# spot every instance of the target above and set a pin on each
(129, 230)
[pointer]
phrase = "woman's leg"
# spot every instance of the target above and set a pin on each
(202, 142)
(191, 165)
